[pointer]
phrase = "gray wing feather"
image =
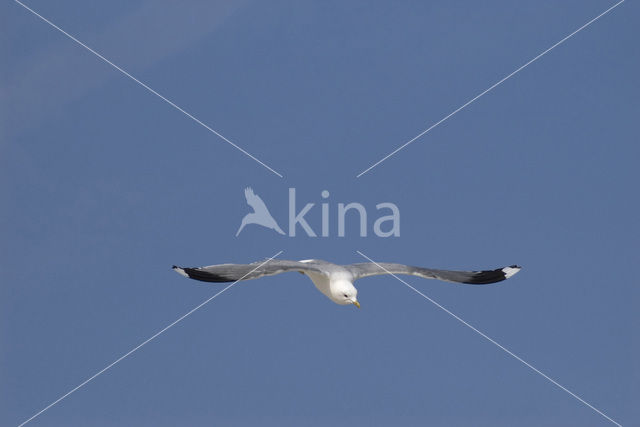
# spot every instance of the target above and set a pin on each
(235, 272)
(470, 277)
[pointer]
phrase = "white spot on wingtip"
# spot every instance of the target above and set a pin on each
(510, 271)
(180, 271)
(305, 260)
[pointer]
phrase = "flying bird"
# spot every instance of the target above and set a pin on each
(260, 214)
(336, 281)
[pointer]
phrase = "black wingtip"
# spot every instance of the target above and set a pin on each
(181, 271)
(493, 276)
(199, 274)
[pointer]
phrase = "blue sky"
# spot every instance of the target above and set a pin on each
(105, 186)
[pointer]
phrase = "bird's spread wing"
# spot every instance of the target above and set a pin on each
(471, 277)
(254, 201)
(235, 272)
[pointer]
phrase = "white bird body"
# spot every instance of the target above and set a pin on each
(335, 285)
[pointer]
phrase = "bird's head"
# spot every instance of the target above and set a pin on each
(345, 293)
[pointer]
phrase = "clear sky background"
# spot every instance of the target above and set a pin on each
(104, 186)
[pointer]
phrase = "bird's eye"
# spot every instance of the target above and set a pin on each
(345, 295)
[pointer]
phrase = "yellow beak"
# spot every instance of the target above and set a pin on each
(356, 303)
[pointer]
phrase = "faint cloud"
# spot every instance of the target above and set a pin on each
(36, 85)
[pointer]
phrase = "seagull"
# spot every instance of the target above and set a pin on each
(260, 214)
(336, 281)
